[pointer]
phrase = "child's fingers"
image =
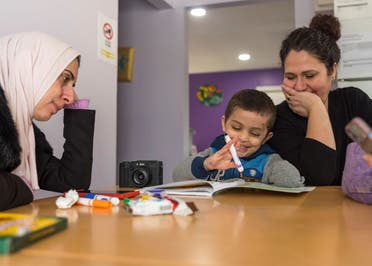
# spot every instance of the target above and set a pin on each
(223, 157)
(232, 165)
(227, 146)
(235, 141)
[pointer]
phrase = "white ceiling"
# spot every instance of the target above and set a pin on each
(257, 28)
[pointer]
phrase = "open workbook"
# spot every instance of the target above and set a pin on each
(205, 188)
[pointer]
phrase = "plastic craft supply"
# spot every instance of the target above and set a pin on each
(182, 208)
(70, 198)
(130, 194)
(234, 155)
(150, 206)
(160, 193)
(94, 203)
(114, 200)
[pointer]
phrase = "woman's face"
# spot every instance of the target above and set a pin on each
(59, 94)
(304, 72)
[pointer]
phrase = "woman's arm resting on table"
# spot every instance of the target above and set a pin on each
(73, 170)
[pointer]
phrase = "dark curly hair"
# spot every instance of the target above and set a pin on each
(254, 101)
(319, 40)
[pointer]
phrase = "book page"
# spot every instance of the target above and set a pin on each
(203, 191)
(195, 187)
(262, 186)
(208, 188)
(181, 184)
(217, 186)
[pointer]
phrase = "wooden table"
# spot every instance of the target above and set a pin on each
(246, 227)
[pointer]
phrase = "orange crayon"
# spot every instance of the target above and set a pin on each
(94, 203)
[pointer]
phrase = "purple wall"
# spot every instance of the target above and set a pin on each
(206, 121)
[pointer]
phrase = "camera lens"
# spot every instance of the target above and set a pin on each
(140, 177)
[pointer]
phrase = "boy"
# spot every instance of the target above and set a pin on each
(248, 120)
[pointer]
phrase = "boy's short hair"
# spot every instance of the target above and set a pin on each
(254, 101)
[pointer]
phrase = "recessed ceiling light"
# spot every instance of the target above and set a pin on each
(198, 12)
(244, 57)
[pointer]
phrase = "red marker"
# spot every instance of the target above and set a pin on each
(174, 202)
(117, 195)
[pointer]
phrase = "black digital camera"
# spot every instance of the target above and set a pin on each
(140, 173)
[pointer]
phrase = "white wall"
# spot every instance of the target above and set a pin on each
(76, 23)
(153, 115)
(304, 12)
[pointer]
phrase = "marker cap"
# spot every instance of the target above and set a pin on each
(240, 169)
(115, 201)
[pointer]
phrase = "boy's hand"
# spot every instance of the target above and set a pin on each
(222, 159)
(368, 158)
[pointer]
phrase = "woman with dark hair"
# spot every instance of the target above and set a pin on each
(37, 79)
(309, 130)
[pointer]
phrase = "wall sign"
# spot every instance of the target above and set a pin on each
(107, 39)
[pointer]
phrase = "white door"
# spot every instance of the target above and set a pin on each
(274, 92)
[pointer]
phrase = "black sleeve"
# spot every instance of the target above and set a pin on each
(74, 169)
(315, 161)
(13, 191)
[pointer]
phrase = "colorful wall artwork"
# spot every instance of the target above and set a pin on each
(209, 95)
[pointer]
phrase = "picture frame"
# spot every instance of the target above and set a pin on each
(125, 64)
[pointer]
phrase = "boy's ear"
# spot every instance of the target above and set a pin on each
(268, 136)
(223, 123)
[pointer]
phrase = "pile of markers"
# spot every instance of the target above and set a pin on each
(144, 203)
(89, 199)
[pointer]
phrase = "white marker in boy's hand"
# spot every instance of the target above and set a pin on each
(235, 155)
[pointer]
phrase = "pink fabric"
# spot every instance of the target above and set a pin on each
(78, 104)
(357, 175)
